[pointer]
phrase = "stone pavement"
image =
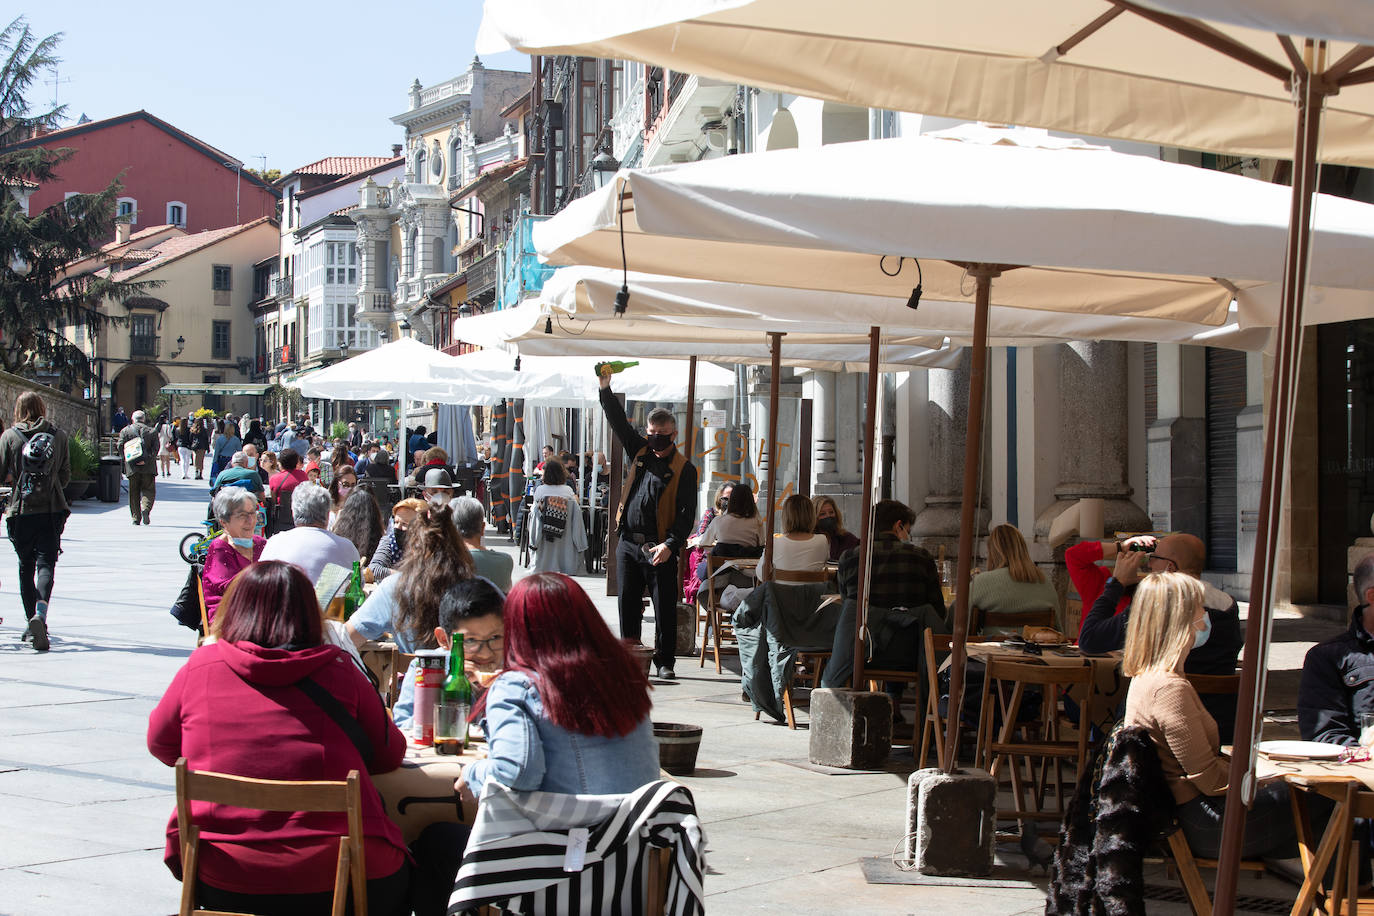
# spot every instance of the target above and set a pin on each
(83, 806)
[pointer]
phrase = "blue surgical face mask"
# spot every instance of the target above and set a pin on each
(246, 543)
(1200, 637)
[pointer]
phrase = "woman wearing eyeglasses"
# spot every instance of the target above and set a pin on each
(236, 510)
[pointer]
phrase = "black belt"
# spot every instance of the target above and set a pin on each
(641, 538)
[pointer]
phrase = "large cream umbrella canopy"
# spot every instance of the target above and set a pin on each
(1099, 232)
(1091, 67)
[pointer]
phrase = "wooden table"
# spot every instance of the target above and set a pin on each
(1109, 684)
(420, 791)
(1350, 786)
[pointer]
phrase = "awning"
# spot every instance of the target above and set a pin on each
(227, 389)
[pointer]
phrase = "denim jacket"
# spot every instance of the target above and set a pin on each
(1337, 685)
(528, 752)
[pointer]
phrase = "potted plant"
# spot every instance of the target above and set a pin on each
(85, 463)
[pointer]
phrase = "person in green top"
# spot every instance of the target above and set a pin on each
(1012, 584)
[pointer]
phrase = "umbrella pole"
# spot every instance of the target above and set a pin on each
(1279, 428)
(866, 519)
(774, 370)
(973, 444)
(689, 447)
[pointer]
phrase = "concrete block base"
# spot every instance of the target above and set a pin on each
(951, 822)
(851, 729)
(686, 630)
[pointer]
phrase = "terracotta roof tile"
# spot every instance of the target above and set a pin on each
(341, 165)
(182, 245)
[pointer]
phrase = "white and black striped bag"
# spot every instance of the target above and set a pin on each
(544, 853)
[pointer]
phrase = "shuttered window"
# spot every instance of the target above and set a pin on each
(1225, 400)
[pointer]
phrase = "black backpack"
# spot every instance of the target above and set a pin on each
(36, 462)
(553, 517)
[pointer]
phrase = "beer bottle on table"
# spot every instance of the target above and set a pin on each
(455, 703)
(614, 365)
(354, 597)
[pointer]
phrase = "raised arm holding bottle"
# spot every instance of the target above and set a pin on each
(654, 519)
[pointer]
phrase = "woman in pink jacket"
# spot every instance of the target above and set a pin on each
(243, 704)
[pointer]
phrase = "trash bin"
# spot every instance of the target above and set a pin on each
(111, 469)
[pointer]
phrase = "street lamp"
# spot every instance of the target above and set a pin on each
(343, 348)
(405, 327)
(181, 346)
(604, 166)
(238, 182)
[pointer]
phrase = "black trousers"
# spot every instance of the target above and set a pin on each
(37, 539)
(1269, 829)
(634, 574)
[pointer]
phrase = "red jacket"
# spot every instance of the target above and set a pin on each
(1088, 578)
(234, 708)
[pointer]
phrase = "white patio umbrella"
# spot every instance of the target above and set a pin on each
(404, 370)
(1100, 232)
(579, 302)
(1090, 67)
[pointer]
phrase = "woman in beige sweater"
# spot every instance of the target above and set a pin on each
(1167, 622)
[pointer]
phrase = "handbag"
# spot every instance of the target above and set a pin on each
(553, 517)
(186, 609)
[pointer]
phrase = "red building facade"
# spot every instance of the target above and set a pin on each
(169, 177)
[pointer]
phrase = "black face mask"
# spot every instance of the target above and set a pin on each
(659, 441)
(827, 525)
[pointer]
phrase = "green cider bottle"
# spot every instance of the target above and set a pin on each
(455, 703)
(353, 596)
(614, 366)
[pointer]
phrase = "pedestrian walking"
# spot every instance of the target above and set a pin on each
(200, 444)
(166, 447)
(35, 461)
(184, 451)
(138, 444)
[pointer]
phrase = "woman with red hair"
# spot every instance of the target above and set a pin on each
(246, 704)
(570, 712)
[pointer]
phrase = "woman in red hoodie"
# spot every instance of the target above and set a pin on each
(243, 704)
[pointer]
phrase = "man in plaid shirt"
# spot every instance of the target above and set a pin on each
(903, 576)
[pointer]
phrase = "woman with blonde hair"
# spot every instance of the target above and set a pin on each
(1012, 584)
(799, 547)
(1167, 622)
(830, 523)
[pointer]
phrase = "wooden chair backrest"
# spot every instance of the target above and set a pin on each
(1040, 617)
(939, 642)
(1207, 684)
(1002, 669)
(802, 575)
(274, 795)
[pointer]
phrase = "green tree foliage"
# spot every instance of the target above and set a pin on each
(39, 296)
(267, 175)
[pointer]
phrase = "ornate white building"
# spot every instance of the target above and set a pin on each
(409, 230)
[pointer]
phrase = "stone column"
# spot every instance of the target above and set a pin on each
(843, 482)
(824, 412)
(1093, 435)
(1177, 441)
(937, 523)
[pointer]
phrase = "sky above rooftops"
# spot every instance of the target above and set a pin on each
(291, 81)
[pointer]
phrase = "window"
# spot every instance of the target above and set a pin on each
(128, 210)
(221, 277)
(219, 340)
(143, 335)
(176, 214)
(341, 263)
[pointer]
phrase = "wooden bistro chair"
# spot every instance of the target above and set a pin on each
(810, 661)
(1041, 617)
(718, 619)
(934, 723)
(1004, 690)
(274, 795)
